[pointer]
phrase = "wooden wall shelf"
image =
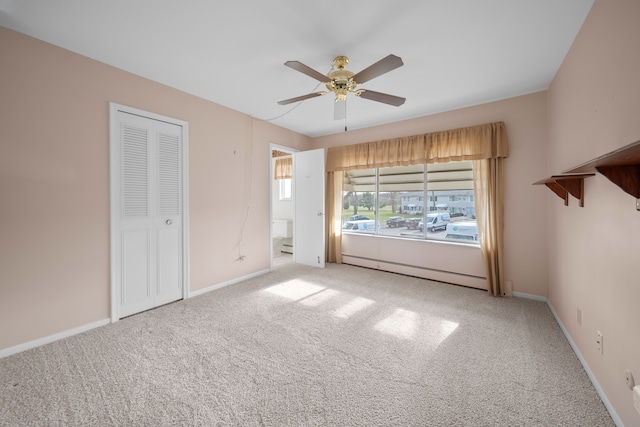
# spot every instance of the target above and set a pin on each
(622, 167)
(566, 184)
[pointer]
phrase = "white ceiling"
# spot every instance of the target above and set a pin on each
(456, 53)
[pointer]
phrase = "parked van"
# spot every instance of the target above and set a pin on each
(463, 230)
(368, 226)
(436, 221)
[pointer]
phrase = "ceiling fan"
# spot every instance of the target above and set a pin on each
(342, 81)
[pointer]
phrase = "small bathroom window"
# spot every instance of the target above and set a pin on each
(285, 189)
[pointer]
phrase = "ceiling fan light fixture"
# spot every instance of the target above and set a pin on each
(341, 95)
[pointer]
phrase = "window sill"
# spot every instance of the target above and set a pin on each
(416, 239)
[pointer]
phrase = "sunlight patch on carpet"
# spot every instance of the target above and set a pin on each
(402, 324)
(446, 328)
(439, 329)
(352, 307)
(295, 289)
(318, 298)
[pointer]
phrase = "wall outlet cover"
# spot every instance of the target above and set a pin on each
(628, 377)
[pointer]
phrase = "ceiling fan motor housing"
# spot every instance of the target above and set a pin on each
(341, 80)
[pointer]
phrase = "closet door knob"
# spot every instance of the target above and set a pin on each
(168, 222)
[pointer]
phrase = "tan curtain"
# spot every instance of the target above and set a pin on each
(334, 217)
(487, 141)
(486, 145)
(470, 143)
(488, 188)
(284, 168)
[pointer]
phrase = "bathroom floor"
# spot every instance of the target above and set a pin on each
(285, 258)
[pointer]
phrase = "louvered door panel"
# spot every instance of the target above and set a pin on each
(136, 225)
(169, 196)
(135, 172)
(169, 174)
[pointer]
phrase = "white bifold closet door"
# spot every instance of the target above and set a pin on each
(149, 232)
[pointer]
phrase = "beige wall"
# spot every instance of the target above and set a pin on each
(594, 108)
(525, 243)
(54, 185)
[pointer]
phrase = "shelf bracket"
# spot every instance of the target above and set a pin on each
(575, 187)
(563, 185)
(626, 177)
(559, 190)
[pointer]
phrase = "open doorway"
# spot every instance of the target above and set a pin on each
(282, 205)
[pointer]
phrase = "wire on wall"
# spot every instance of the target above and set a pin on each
(241, 256)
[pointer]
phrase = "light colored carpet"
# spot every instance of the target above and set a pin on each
(343, 346)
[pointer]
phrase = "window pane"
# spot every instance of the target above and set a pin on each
(451, 210)
(285, 189)
(359, 201)
(401, 201)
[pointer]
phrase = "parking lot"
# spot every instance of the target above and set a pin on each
(398, 226)
(405, 232)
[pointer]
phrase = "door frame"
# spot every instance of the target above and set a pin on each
(115, 194)
(273, 146)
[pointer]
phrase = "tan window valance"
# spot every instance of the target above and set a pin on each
(488, 141)
(283, 168)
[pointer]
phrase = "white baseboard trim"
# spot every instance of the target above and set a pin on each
(530, 296)
(51, 338)
(227, 283)
(596, 385)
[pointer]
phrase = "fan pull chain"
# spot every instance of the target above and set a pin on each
(345, 115)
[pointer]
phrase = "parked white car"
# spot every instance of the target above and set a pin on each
(367, 225)
(463, 230)
(435, 221)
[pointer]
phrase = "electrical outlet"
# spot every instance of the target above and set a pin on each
(508, 288)
(579, 317)
(628, 377)
(599, 342)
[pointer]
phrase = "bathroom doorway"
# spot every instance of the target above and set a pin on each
(282, 205)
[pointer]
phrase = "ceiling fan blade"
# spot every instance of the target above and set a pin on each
(340, 110)
(382, 97)
(299, 66)
(301, 98)
(385, 65)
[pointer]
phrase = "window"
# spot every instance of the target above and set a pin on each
(285, 189)
(391, 202)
